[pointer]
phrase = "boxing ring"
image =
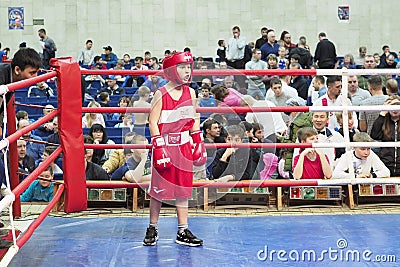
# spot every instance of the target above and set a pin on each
(242, 241)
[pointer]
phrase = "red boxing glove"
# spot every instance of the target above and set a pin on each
(161, 158)
(199, 152)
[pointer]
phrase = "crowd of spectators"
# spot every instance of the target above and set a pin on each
(252, 127)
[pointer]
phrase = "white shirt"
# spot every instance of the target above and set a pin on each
(289, 90)
(373, 162)
(272, 121)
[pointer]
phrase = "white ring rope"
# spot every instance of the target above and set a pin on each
(9, 197)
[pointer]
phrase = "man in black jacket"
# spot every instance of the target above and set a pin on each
(325, 53)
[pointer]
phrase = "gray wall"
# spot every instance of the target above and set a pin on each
(136, 26)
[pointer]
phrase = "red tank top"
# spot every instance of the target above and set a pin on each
(176, 115)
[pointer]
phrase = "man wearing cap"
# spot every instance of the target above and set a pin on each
(113, 88)
(109, 57)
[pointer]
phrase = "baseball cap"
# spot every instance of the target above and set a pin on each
(109, 48)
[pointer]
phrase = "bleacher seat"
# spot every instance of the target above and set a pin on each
(111, 123)
(96, 84)
(130, 90)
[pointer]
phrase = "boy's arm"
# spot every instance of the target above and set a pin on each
(379, 168)
(326, 168)
(298, 166)
(136, 175)
(341, 170)
(28, 194)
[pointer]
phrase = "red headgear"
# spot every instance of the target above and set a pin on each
(170, 63)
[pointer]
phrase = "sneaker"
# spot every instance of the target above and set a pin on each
(188, 239)
(151, 236)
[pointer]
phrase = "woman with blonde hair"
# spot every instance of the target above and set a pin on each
(91, 118)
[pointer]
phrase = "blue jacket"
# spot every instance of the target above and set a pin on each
(37, 193)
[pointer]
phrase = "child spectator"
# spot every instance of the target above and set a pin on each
(281, 59)
(352, 129)
(365, 162)
(137, 167)
(41, 190)
(311, 163)
(47, 152)
(126, 122)
(141, 119)
(221, 51)
(206, 100)
(104, 98)
(22, 115)
(233, 163)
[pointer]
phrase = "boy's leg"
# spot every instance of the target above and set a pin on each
(152, 231)
(184, 236)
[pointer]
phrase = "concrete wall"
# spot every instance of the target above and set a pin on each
(138, 25)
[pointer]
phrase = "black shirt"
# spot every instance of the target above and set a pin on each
(95, 172)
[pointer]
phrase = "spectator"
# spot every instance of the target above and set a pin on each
(270, 47)
(40, 190)
(386, 52)
(348, 62)
(233, 163)
(91, 118)
(206, 100)
(256, 86)
(263, 39)
(235, 49)
(54, 138)
(377, 98)
(126, 122)
(153, 64)
(86, 56)
(212, 133)
(33, 149)
(47, 152)
(219, 79)
(108, 57)
(299, 82)
(282, 61)
(92, 170)
(221, 51)
(154, 82)
(117, 158)
(365, 162)
(41, 89)
(279, 96)
(392, 87)
(352, 130)
(122, 103)
(49, 48)
(99, 135)
(357, 94)
(272, 122)
(388, 62)
(362, 51)
(113, 88)
(128, 62)
(26, 163)
(287, 40)
(142, 119)
(369, 63)
(334, 98)
(137, 167)
(385, 129)
(325, 53)
(147, 57)
(311, 163)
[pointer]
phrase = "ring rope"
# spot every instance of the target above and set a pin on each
(9, 196)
